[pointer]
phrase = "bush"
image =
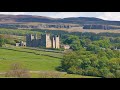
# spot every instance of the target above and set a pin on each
(91, 71)
(2, 42)
(104, 71)
(59, 68)
(10, 41)
(109, 75)
(74, 70)
(18, 71)
(117, 74)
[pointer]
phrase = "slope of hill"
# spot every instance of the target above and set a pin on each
(43, 19)
(40, 66)
(25, 18)
(38, 22)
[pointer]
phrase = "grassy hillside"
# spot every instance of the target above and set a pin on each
(77, 29)
(30, 60)
(18, 32)
(43, 19)
(33, 61)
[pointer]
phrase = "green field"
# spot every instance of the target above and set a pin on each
(19, 32)
(33, 61)
(29, 60)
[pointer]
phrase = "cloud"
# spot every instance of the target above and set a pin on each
(75, 14)
(13, 13)
(110, 16)
(66, 14)
(56, 14)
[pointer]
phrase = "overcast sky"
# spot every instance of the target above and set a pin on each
(102, 15)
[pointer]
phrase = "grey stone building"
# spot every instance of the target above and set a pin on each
(45, 40)
(21, 44)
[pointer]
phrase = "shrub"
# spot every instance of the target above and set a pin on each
(75, 70)
(2, 42)
(91, 71)
(104, 71)
(117, 74)
(18, 71)
(59, 68)
(10, 41)
(109, 75)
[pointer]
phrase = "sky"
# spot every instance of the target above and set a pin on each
(103, 15)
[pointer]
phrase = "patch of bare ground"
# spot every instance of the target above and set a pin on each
(79, 29)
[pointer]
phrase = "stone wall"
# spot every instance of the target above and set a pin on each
(53, 42)
(57, 43)
(48, 41)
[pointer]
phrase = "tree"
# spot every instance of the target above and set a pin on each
(2, 42)
(91, 71)
(75, 70)
(73, 41)
(85, 42)
(69, 60)
(104, 71)
(109, 53)
(75, 45)
(117, 74)
(109, 75)
(94, 48)
(114, 64)
(117, 40)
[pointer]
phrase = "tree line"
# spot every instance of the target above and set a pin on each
(92, 55)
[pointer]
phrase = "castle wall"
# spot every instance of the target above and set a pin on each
(48, 41)
(53, 42)
(34, 43)
(28, 40)
(57, 43)
(45, 41)
(32, 37)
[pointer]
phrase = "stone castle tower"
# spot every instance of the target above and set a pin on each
(46, 41)
(55, 42)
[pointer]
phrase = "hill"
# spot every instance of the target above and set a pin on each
(24, 18)
(38, 22)
(43, 19)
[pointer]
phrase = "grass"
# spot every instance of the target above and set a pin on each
(79, 29)
(20, 32)
(55, 74)
(42, 52)
(30, 60)
(33, 62)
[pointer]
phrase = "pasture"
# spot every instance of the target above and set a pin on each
(35, 61)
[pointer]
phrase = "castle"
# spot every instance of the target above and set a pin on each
(46, 41)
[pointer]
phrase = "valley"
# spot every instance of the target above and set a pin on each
(44, 47)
